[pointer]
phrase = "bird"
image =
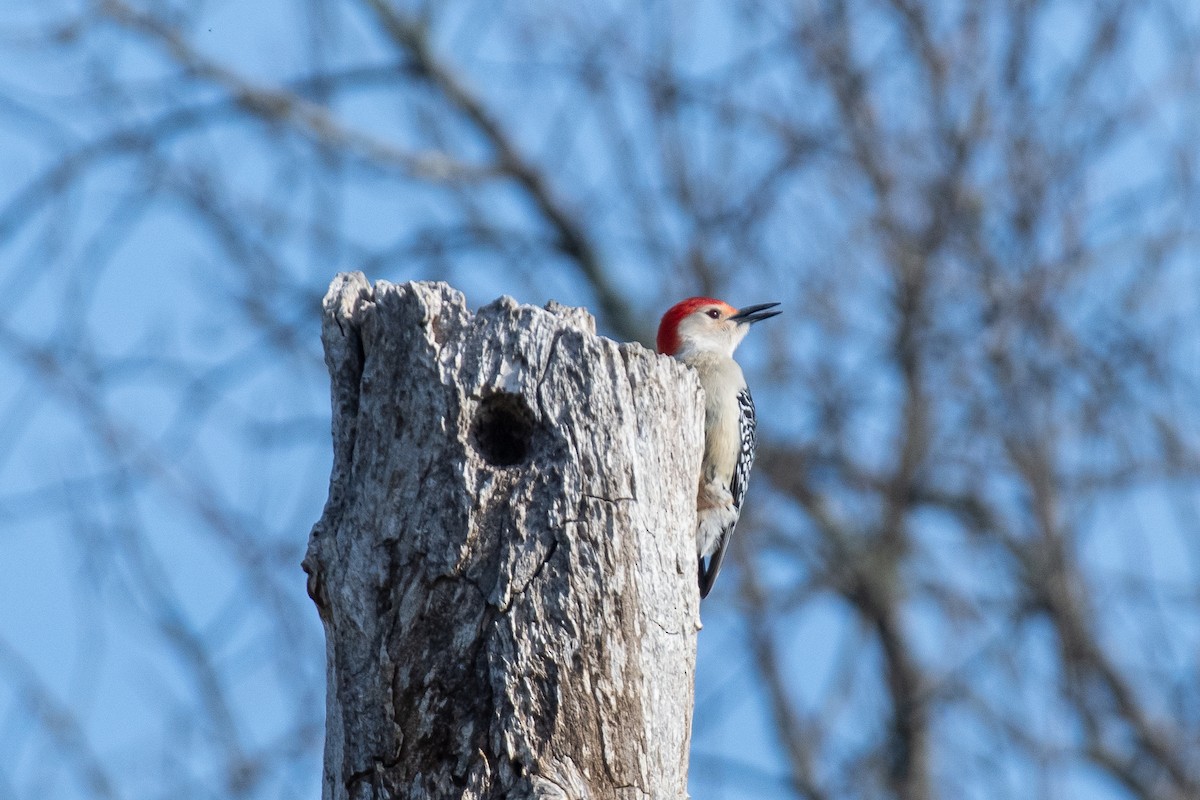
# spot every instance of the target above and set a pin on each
(703, 332)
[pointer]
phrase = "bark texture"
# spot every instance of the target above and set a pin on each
(505, 565)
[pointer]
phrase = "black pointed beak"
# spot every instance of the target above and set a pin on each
(752, 314)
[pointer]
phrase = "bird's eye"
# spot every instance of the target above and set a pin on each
(714, 313)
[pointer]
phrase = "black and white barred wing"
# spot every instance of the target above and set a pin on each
(748, 438)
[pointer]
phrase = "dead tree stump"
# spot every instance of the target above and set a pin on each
(505, 565)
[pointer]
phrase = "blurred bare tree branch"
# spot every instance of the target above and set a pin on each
(969, 568)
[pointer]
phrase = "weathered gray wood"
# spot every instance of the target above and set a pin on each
(505, 566)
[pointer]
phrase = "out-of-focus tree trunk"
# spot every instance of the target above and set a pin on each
(505, 566)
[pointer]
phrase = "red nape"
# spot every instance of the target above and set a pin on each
(668, 329)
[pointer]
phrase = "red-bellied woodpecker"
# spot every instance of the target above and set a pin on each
(703, 333)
